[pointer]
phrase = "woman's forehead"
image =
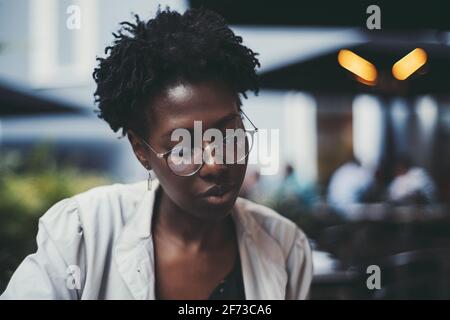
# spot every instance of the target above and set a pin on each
(180, 93)
(183, 95)
(182, 104)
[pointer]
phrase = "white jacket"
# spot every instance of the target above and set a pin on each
(98, 245)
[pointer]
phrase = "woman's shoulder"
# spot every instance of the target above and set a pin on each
(117, 198)
(101, 207)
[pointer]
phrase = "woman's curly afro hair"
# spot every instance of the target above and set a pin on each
(148, 56)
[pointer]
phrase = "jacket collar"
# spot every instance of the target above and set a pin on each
(262, 259)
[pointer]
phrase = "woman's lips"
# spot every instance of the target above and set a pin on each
(218, 194)
(217, 190)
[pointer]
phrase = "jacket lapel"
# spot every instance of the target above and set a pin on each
(263, 262)
(134, 249)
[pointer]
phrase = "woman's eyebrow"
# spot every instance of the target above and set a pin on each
(225, 119)
(216, 124)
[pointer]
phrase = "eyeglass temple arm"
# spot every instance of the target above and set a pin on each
(256, 129)
(158, 154)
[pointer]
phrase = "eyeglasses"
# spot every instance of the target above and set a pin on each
(186, 161)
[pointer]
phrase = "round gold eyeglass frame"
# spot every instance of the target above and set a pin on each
(165, 155)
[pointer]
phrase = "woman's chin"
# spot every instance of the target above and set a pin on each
(217, 207)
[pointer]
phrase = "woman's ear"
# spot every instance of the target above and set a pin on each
(139, 148)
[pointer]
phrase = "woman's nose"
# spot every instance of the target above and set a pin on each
(213, 162)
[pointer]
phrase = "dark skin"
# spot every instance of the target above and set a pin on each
(195, 243)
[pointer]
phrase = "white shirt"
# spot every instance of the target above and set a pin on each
(414, 182)
(98, 245)
(347, 185)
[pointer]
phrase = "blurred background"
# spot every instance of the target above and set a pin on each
(361, 102)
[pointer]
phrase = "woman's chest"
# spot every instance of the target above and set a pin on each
(187, 275)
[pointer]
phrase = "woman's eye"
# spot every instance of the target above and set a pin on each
(177, 152)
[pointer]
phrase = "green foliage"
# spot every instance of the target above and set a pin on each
(29, 185)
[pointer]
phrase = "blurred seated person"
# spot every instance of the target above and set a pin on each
(349, 185)
(411, 185)
(287, 195)
(293, 194)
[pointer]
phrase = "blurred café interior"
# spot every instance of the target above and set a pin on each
(363, 118)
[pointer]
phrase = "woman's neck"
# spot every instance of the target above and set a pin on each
(188, 231)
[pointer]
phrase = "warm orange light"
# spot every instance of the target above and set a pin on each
(358, 65)
(409, 64)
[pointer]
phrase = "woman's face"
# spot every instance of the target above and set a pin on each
(178, 107)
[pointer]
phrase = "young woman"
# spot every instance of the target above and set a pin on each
(184, 233)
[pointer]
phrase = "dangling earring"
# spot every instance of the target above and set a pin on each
(149, 180)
